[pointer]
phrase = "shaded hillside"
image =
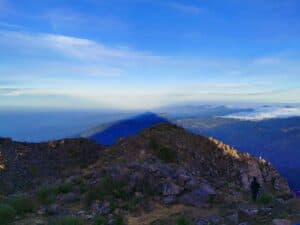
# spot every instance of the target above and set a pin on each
(107, 134)
(24, 165)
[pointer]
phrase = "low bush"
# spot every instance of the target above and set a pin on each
(164, 153)
(119, 220)
(64, 188)
(106, 188)
(182, 220)
(265, 199)
(7, 214)
(46, 195)
(99, 220)
(22, 204)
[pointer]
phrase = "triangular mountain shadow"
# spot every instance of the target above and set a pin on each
(108, 134)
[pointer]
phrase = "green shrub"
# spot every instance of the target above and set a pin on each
(46, 195)
(77, 181)
(182, 220)
(64, 188)
(164, 153)
(7, 214)
(265, 199)
(119, 220)
(99, 220)
(68, 220)
(106, 188)
(22, 204)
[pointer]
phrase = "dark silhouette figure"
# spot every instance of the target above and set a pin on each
(255, 186)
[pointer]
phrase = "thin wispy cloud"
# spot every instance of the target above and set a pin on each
(185, 8)
(62, 19)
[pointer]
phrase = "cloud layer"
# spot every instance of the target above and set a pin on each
(267, 112)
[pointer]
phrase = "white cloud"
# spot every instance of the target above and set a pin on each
(270, 112)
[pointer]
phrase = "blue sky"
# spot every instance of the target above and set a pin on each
(143, 54)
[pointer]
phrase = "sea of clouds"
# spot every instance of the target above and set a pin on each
(267, 112)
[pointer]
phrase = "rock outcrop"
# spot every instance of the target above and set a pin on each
(220, 165)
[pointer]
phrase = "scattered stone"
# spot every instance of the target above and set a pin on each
(171, 189)
(233, 218)
(281, 222)
(198, 197)
(248, 210)
(52, 209)
(69, 198)
(201, 221)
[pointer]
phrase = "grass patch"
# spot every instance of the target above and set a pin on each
(182, 220)
(68, 220)
(22, 204)
(106, 188)
(64, 188)
(7, 214)
(164, 153)
(265, 199)
(119, 220)
(46, 195)
(100, 220)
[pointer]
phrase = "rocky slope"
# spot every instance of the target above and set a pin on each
(24, 164)
(163, 175)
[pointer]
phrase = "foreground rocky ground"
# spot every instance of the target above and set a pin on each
(163, 176)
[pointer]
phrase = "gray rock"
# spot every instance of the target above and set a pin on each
(89, 217)
(197, 197)
(201, 221)
(52, 209)
(70, 197)
(100, 208)
(248, 210)
(281, 222)
(169, 200)
(233, 218)
(171, 189)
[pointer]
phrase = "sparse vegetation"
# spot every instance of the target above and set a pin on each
(99, 220)
(68, 220)
(22, 204)
(119, 220)
(265, 199)
(164, 153)
(106, 188)
(46, 195)
(7, 214)
(183, 220)
(64, 188)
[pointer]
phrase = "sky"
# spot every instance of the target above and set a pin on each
(135, 54)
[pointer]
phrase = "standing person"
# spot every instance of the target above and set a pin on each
(255, 186)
